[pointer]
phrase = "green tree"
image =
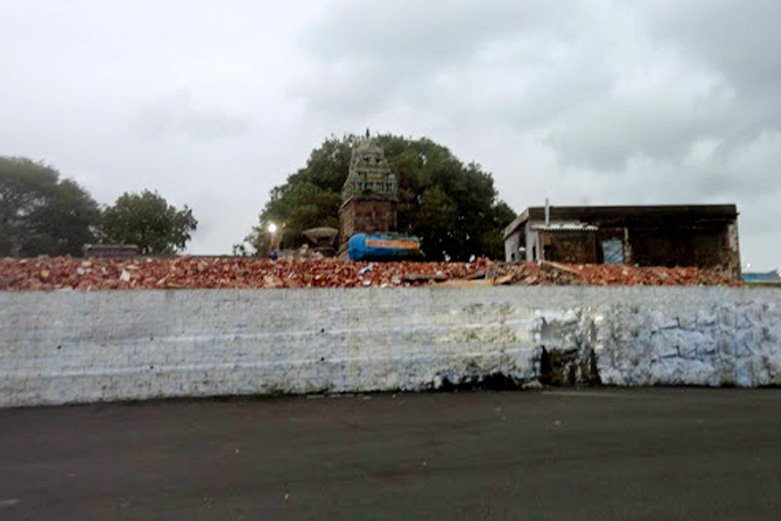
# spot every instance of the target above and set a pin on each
(41, 214)
(452, 206)
(149, 222)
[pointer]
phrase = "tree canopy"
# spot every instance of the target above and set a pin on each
(149, 222)
(452, 206)
(41, 214)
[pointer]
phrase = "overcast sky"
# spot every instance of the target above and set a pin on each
(585, 102)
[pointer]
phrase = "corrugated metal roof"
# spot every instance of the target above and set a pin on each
(565, 227)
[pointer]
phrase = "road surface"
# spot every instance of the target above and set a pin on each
(604, 454)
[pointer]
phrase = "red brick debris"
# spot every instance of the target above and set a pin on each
(57, 273)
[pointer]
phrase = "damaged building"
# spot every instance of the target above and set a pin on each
(704, 236)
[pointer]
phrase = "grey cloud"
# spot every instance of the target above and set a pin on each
(606, 133)
(439, 32)
(369, 57)
(175, 115)
(745, 168)
(739, 40)
(553, 69)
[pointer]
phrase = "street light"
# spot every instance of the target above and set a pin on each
(274, 241)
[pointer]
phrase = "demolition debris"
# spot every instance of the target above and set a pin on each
(66, 273)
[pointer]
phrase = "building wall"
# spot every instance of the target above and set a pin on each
(511, 248)
(367, 216)
(68, 347)
(576, 247)
(702, 246)
(532, 246)
(733, 242)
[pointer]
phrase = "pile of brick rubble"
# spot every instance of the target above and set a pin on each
(44, 273)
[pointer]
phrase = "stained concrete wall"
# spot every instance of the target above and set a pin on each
(65, 347)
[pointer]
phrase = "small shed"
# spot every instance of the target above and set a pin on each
(322, 240)
(705, 236)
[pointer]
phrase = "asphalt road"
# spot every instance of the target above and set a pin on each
(657, 454)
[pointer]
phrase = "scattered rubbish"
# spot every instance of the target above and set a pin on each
(56, 273)
(421, 277)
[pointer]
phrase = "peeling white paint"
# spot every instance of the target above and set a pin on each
(65, 347)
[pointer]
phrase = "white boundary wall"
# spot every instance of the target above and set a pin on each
(69, 346)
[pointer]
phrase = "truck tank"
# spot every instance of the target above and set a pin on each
(383, 247)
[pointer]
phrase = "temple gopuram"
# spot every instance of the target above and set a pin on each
(369, 194)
